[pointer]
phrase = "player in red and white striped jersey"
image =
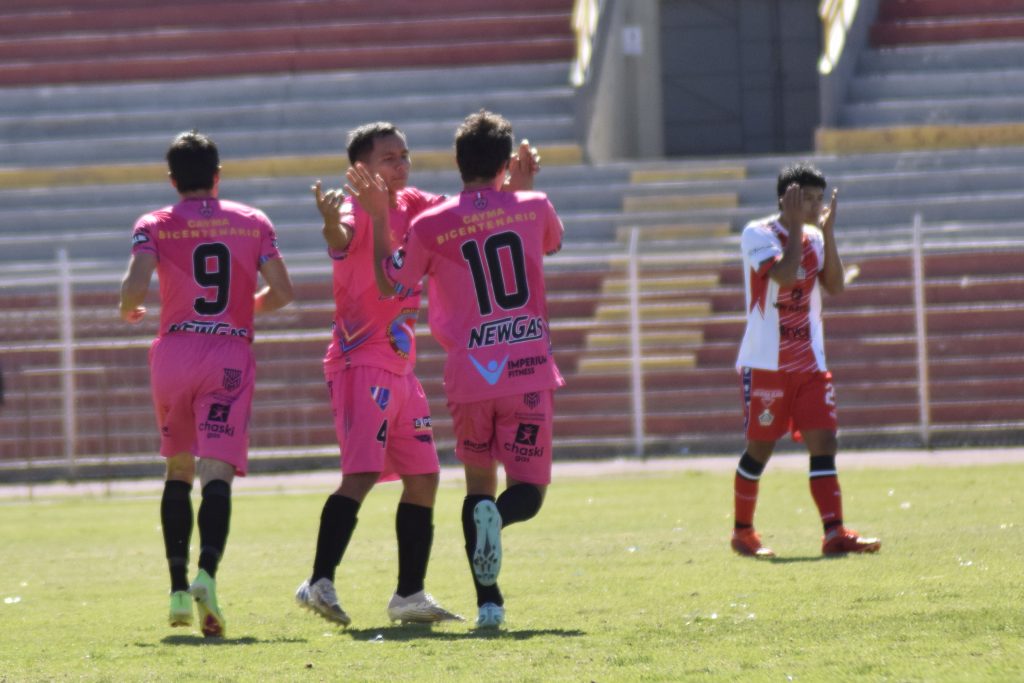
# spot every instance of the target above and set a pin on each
(786, 384)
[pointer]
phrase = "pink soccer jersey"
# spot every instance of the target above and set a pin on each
(784, 328)
(209, 252)
(369, 330)
(483, 252)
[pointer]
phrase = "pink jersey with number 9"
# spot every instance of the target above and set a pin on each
(209, 253)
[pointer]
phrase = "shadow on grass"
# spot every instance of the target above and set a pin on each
(807, 558)
(192, 639)
(417, 631)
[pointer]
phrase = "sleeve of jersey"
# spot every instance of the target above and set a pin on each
(759, 250)
(407, 266)
(142, 236)
(348, 219)
(553, 230)
(420, 201)
(268, 241)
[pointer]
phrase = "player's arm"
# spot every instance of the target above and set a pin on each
(371, 193)
(523, 167)
(135, 285)
(785, 269)
(833, 274)
(278, 292)
(336, 234)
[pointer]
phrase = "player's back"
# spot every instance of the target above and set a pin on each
(209, 253)
(488, 305)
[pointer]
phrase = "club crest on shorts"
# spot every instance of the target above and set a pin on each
(232, 379)
(766, 418)
(531, 399)
(381, 396)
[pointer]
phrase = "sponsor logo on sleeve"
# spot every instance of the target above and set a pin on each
(381, 396)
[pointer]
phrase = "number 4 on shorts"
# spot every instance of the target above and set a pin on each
(382, 433)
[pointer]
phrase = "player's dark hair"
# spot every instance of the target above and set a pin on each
(361, 139)
(803, 174)
(483, 145)
(193, 161)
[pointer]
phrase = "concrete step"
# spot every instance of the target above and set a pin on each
(992, 108)
(1001, 54)
(894, 85)
(948, 30)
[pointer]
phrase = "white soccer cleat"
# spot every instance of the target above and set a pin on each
(321, 599)
(490, 616)
(487, 555)
(418, 608)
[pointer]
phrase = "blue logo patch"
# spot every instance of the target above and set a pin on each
(381, 396)
(492, 373)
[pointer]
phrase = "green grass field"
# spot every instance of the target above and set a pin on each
(619, 579)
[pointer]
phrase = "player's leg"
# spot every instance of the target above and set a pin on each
(414, 529)
(523, 440)
(410, 452)
(814, 414)
(356, 416)
(837, 538)
(173, 377)
(766, 418)
(214, 521)
(176, 520)
(481, 528)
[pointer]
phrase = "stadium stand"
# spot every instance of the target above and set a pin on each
(939, 74)
(84, 163)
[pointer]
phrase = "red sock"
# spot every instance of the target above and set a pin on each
(745, 499)
(828, 498)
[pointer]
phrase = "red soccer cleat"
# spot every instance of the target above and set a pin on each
(747, 542)
(841, 540)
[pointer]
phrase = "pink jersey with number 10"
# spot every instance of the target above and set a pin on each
(209, 253)
(483, 252)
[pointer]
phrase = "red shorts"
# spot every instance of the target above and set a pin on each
(382, 421)
(514, 430)
(202, 389)
(778, 402)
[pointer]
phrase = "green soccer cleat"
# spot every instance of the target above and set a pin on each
(490, 616)
(181, 609)
(487, 554)
(204, 590)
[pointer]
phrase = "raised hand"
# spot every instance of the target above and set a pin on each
(828, 215)
(369, 191)
(328, 204)
(792, 208)
(524, 165)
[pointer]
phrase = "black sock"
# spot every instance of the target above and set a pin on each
(214, 521)
(414, 526)
(519, 503)
(483, 593)
(176, 520)
(337, 522)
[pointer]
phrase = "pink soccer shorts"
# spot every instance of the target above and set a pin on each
(514, 430)
(202, 388)
(382, 421)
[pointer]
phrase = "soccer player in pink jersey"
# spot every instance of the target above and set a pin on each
(483, 252)
(786, 385)
(208, 253)
(381, 414)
